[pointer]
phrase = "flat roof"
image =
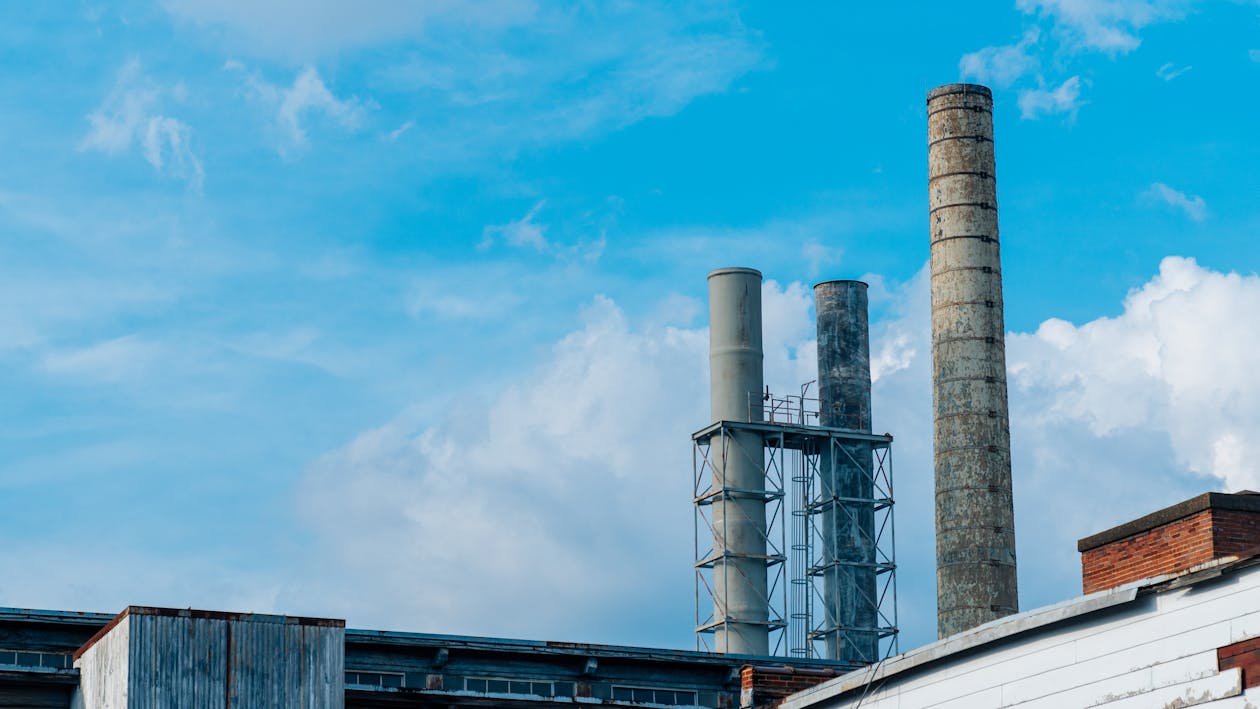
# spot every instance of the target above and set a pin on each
(1246, 501)
(552, 647)
(205, 615)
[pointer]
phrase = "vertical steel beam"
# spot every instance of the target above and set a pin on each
(741, 601)
(975, 527)
(850, 604)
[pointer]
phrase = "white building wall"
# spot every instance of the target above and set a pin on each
(1158, 650)
(103, 670)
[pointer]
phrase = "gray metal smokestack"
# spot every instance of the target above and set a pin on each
(739, 513)
(975, 520)
(844, 392)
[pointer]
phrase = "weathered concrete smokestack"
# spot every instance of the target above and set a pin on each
(844, 392)
(739, 514)
(975, 521)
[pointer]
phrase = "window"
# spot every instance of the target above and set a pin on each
(20, 658)
(497, 685)
(649, 695)
(386, 680)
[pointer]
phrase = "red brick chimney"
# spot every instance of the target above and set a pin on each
(765, 687)
(1211, 526)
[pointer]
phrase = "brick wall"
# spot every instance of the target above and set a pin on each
(1245, 654)
(763, 687)
(1235, 532)
(1168, 548)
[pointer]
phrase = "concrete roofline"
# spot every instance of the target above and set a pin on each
(1245, 502)
(50, 616)
(492, 644)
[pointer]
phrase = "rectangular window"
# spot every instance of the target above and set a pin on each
(387, 680)
(19, 658)
(650, 695)
(493, 685)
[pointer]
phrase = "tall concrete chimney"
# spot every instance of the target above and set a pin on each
(739, 513)
(975, 520)
(844, 392)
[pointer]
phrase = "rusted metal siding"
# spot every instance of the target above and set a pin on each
(157, 658)
(975, 527)
(851, 602)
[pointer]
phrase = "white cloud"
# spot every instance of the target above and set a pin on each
(485, 80)
(1002, 65)
(476, 84)
(1110, 26)
(819, 256)
(1065, 98)
(566, 496)
(1177, 361)
(131, 115)
(1170, 71)
(1254, 55)
(308, 97)
(543, 502)
(1193, 205)
(113, 360)
(396, 133)
(528, 233)
(523, 232)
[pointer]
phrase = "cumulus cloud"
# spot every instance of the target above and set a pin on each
(1064, 98)
(1002, 65)
(1192, 205)
(542, 501)
(1110, 26)
(131, 115)
(1176, 361)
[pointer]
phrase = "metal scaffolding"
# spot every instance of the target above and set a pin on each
(797, 504)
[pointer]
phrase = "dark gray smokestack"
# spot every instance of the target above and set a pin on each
(848, 519)
(975, 520)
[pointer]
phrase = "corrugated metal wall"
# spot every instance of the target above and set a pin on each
(162, 660)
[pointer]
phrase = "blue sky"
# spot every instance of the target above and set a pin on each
(395, 311)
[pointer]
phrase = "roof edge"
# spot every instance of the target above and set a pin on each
(1181, 510)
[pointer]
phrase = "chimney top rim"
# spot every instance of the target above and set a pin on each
(730, 270)
(959, 88)
(855, 281)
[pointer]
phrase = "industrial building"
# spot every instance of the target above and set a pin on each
(155, 657)
(1173, 620)
(795, 566)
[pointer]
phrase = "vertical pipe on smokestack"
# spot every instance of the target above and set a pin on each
(975, 527)
(844, 392)
(739, 515)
